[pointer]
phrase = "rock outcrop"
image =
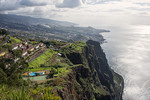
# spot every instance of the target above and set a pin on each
(91, 78)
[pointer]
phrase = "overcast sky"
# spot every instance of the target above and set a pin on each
(84, 12)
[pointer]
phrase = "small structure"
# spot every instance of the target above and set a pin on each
(37, 46)
(29, 46)
(24, 48)
(59, 54)
(32, 49)
(24, 53)
(26, 43)
(41, 44)
(20, 45)
(14, 48)
(2, 54)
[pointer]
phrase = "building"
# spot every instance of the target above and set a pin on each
(59, 54)
(26, 43)
(2, 54)
(37, 46)
(20, 45)
(41, 44)
(32, 49)
(24, 53)
(15, 47)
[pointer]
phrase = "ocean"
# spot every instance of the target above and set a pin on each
(128, 52)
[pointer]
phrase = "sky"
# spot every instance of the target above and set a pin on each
(84, 12)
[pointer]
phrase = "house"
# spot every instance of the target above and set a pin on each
(41, 44)
(2, 54)
(26, 43)
(15, 47)
(37, 46)
(24, 53)
(59, 54)
(32, 49)
(29, 46)
(20, 45)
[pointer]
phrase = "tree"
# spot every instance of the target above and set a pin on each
(52, 72)
(3, 76)
(3, 32)
(17, 53)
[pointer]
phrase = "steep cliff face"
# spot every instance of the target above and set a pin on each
(91, 77)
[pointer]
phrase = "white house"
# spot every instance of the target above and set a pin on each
(25, 53)
(14, 48)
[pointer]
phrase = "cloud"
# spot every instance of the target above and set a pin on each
(33, 2)
(71, 3)
(16, 4)
(8, 4)
(85, 12)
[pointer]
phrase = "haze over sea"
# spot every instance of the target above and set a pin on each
(128, 53)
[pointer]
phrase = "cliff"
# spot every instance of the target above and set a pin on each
(90, 77)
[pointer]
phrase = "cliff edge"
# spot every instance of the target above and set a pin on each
(90, 77)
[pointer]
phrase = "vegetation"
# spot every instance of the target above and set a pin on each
(44, 93)
(42, 58)
(57, 43)
(38, 69)
(3, 32)
(70, 73)
(10, 73)
(74, 47)
(15, 40)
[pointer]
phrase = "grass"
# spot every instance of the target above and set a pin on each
(14, 40)
(39, 69)
(101, 90)
(37, 78)
(42, 59)
(27, 93)
(74, 47)
(62, 71)
(79, 45)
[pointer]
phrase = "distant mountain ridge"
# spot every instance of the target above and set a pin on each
(31, 21)
(47, 29)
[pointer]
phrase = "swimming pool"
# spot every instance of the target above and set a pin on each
(35, 74)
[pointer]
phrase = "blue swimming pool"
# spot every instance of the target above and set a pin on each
(34, 74)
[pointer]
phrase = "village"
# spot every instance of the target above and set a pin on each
(37, 54)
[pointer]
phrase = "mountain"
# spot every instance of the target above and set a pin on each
(8, 18)
(91, 78)
(29, 70)
(46, 29)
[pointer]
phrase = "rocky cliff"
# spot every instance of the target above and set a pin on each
(90, 78)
